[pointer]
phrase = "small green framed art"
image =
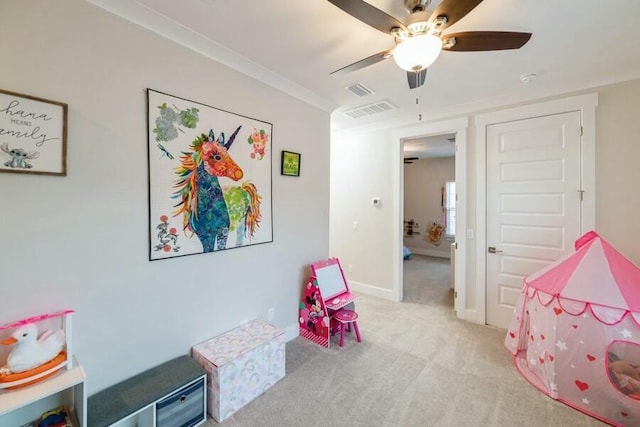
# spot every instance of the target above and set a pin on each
(290, 164)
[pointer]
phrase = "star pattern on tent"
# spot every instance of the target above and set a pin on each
(532, 361)
(626, 333)
(554, 386)
(585, 401)
(581, 342)
(573, 366)
(561, 345)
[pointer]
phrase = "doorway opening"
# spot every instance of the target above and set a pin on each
(457, 128)
(429, 195)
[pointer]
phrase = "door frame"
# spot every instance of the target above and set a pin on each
(586, 105)
(459, 128)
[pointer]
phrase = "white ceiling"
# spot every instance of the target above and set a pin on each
(295, 44)
(430, 147)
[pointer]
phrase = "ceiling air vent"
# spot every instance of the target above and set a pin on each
(370, 109)
(359, 89)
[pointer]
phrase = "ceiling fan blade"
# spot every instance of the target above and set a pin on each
(474, 41)
(373, 59)
(454, 10)
(416, 79)
(368, 14)
(411, 158)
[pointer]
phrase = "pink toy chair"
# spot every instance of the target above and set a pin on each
(344, 319)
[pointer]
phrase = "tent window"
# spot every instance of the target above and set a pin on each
(623, 368)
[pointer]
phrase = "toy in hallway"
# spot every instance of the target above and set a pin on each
(435, 232)
(32, 358)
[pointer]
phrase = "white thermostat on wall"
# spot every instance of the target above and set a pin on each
(376, 201)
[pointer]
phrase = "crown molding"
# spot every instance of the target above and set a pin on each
(160, 24)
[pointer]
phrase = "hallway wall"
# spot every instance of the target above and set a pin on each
(423, 184)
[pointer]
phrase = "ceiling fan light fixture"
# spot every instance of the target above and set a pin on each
(417, 52)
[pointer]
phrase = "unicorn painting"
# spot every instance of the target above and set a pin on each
(210, 178)
(209, 210)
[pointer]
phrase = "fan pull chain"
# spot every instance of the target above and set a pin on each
(418, 99)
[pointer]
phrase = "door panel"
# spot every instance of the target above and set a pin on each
(533, 203)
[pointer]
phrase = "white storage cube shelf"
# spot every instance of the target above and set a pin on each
(241, 364)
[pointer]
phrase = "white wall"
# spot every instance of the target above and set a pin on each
(361, 170)
(617, 167)
(617, 198)
(81, 241)
(423, 183)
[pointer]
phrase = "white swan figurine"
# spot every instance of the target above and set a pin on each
(30, 351)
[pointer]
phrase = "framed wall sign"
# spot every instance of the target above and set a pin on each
(290, 164)
(33, 134)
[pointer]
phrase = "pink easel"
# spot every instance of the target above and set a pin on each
(326, 292)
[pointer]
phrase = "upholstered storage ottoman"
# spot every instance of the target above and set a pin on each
(241, 364)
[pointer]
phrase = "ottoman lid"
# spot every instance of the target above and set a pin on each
(232, 344)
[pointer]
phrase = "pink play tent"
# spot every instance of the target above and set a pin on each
(576, 332)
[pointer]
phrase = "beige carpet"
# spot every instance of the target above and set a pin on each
(418, 365)
(427, 281)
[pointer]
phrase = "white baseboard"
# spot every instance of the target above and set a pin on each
(371, 290)
(431, 252)
(472, 316)
(291, 332)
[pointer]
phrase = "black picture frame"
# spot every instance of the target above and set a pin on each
(290, 163)
(175, 150)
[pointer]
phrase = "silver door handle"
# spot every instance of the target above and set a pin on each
(493, 250)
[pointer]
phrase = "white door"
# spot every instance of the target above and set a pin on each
(533, 203)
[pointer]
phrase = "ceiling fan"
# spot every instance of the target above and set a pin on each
(419, 40)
